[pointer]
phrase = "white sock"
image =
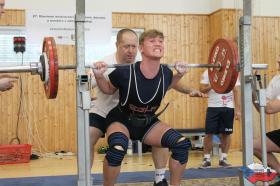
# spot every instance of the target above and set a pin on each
(207, 156)
(159, 175)
(223, 155)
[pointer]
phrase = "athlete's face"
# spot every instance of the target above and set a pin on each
(2, 4)
(152, 47)
(127, 48)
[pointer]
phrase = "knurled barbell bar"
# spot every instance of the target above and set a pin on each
(222, 66)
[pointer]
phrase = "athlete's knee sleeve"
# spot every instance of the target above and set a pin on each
(118, 143)
(178, 145)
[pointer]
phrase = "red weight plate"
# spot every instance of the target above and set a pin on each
(51, 86)
(225, 53)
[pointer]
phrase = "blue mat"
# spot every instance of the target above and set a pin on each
(125, 177)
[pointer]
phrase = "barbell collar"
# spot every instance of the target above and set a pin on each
(35, 68)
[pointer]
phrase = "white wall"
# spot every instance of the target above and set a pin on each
(260, 7)
(147, 6)
(267, 7)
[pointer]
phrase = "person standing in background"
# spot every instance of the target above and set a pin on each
(222, 108)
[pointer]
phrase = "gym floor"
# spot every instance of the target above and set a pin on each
(51, 164)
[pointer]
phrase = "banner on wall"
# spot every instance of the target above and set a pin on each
(61, 26)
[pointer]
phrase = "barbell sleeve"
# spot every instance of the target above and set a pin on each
(15, 69)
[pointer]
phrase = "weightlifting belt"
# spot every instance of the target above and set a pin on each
(143, 120)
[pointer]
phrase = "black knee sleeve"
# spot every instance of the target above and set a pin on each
(114, 154)
(178, 145)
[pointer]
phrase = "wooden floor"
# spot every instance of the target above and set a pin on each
(51, 165)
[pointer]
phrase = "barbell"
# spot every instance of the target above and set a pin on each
(222, 66)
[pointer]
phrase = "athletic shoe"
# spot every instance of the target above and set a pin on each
(205, 164)
(161, 183)
(224, 163)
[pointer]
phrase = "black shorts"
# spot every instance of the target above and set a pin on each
(274, 136)
(219, 120)
(135, 132)
(97, 121)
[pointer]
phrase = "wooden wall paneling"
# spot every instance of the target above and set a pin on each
(186, 44)
(140, 20)
(215, 23)
(175, 111)
(255, 40)
(69, 94)
(181, 36)
(266, 54)
(185, 103)
(277, 36)
(261, 38)
(194, 58)
(70, 109)
(60, 124)
(256, 58)
(13, 18)
(8, 117)
(269, 56)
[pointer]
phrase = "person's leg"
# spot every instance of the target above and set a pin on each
(207, 148)
(211, 127)
(162, 135)
(160, 157)
(97, 129)
(118, 136)
(207, 143)
(94, 135)
(271, 147)
(225, 142)
(226, 129)
(225, 145)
